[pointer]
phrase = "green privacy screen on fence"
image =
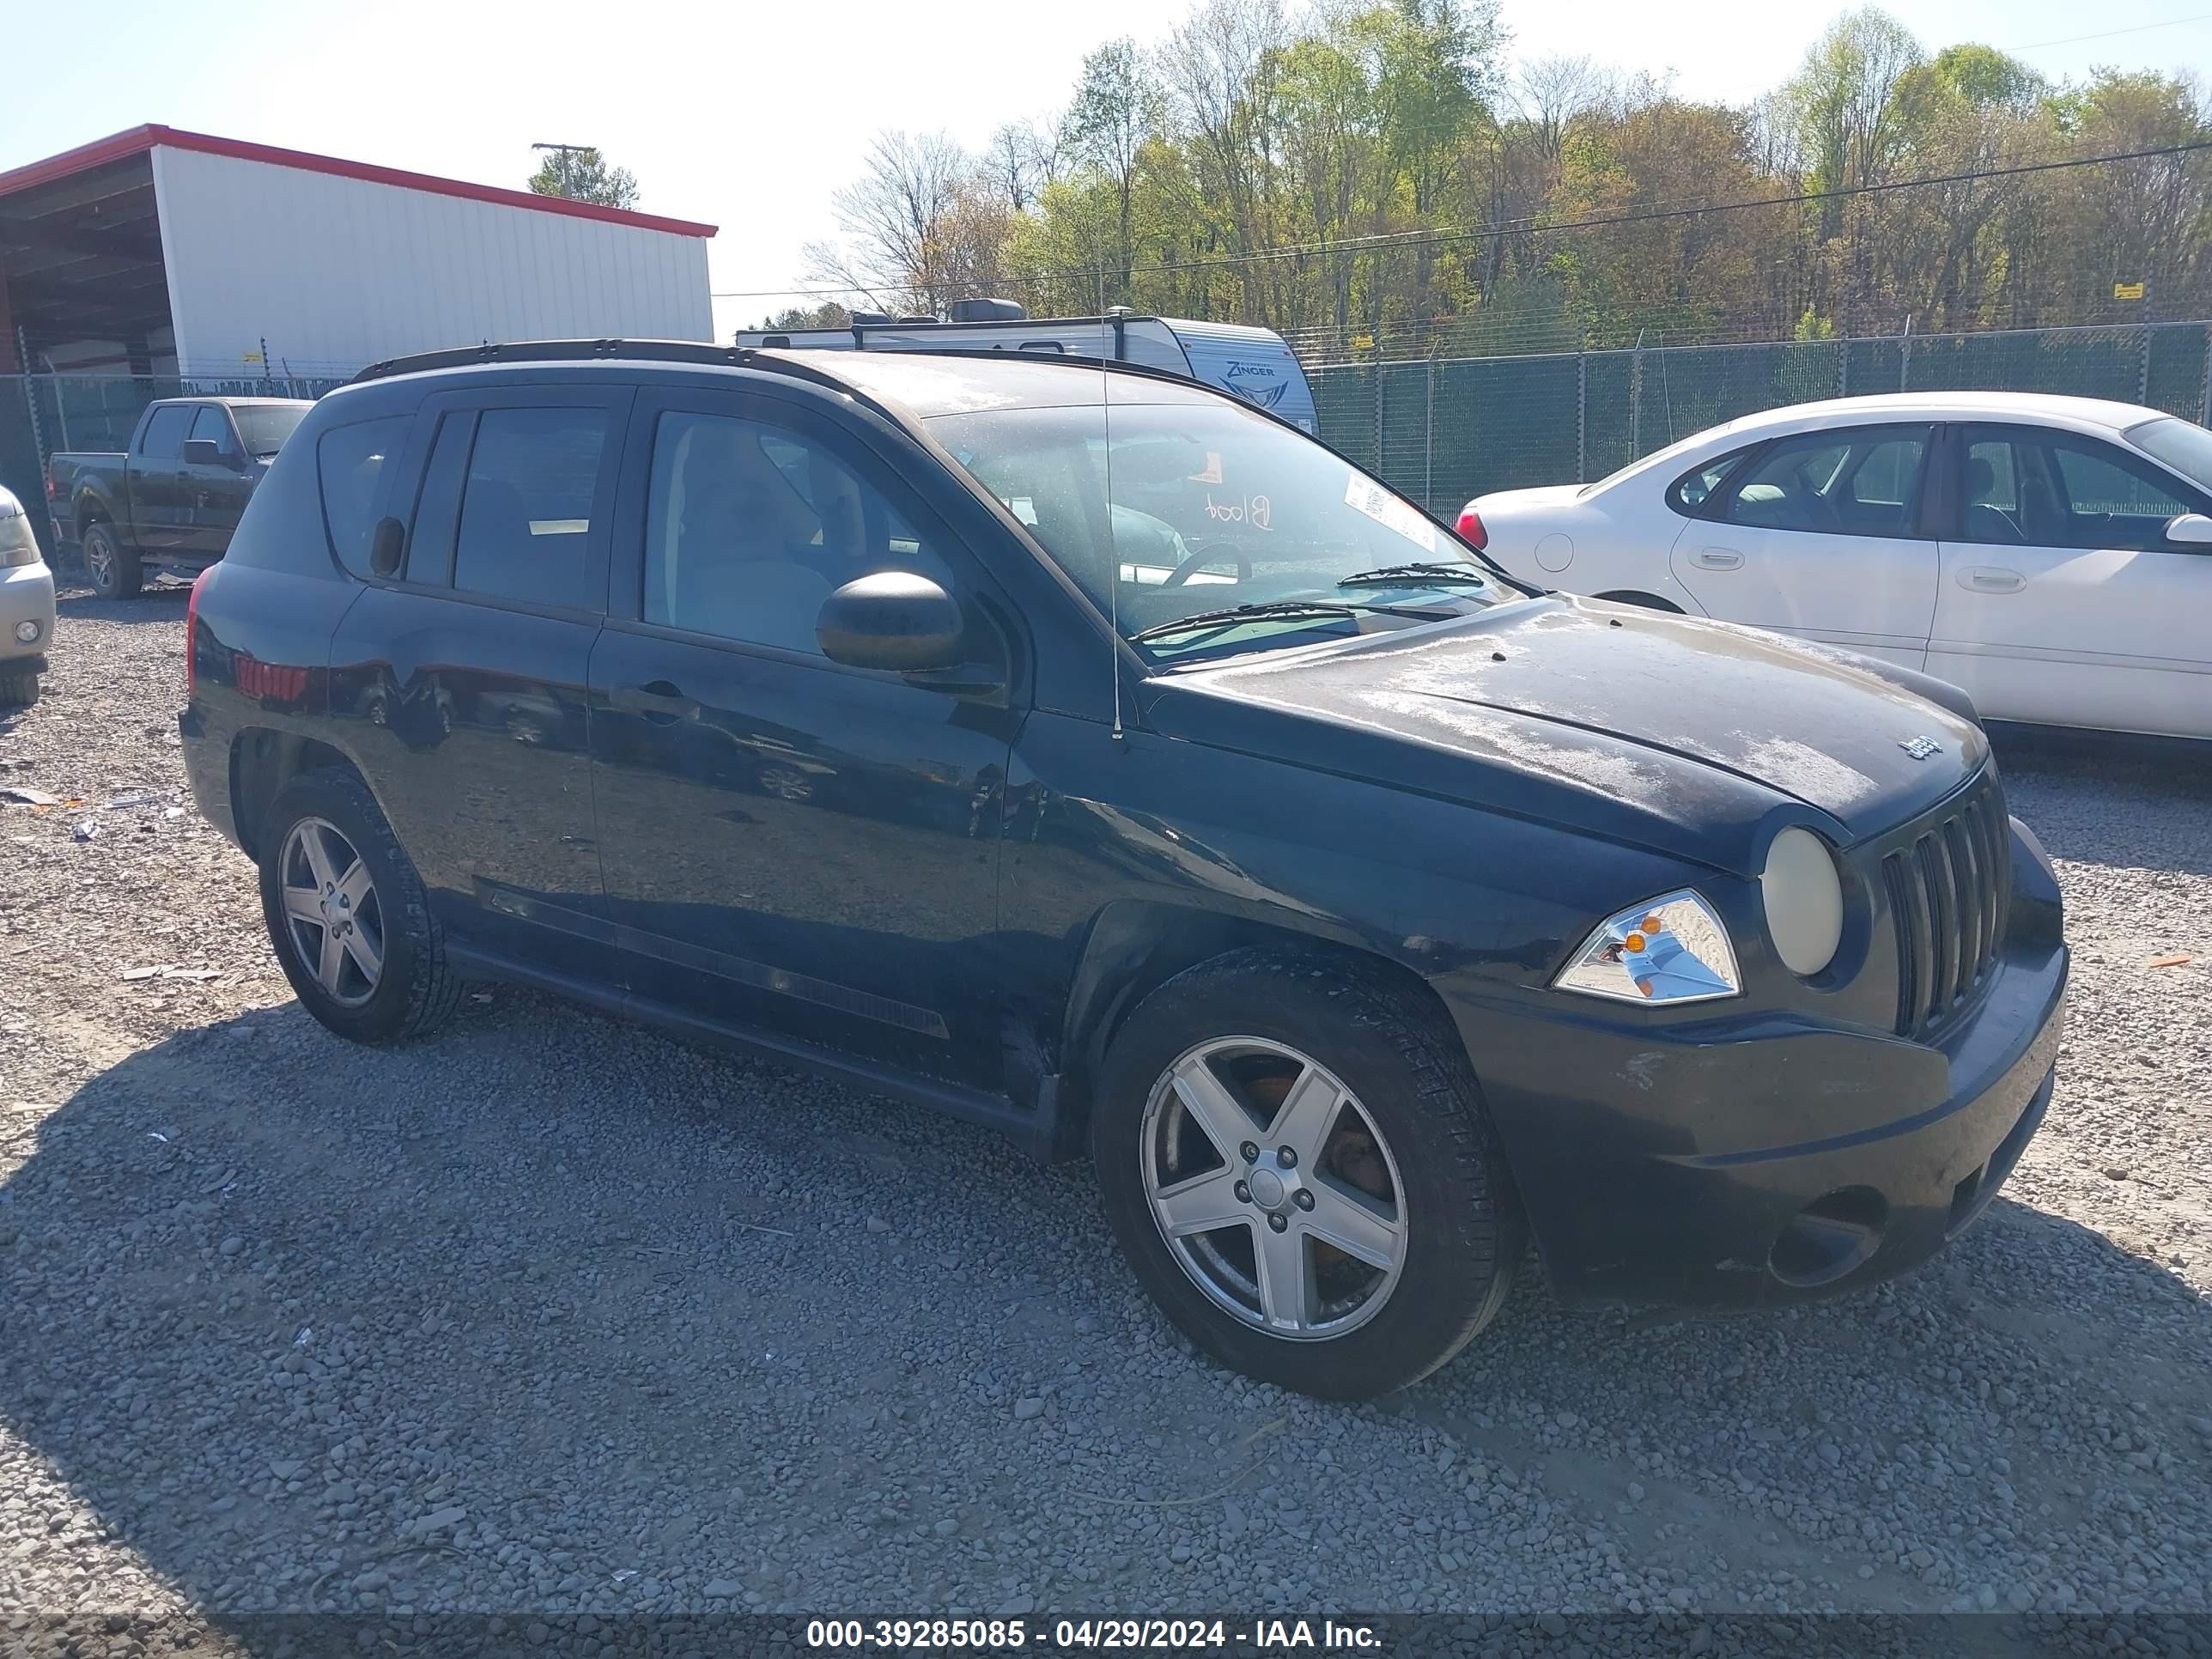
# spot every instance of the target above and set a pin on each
(1443, 429)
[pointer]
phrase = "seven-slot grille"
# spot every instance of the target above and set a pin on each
(1948, 889)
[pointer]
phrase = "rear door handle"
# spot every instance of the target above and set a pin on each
(1716, 558)
(657, 700)
(1989, 579)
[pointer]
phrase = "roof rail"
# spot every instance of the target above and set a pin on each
(559, 351)
(773, 362)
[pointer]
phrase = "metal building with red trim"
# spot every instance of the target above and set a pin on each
(160, 252)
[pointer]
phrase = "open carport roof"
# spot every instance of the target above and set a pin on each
(81, 240)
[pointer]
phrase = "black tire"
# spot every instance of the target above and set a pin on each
(417, 989)
(1647, 601)
(18, 691)
(114, 569)
(1465, 1233)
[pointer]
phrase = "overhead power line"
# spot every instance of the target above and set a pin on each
(1532, 226)
(2106, 34)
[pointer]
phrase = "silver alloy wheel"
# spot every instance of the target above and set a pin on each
(1274, 1188)
(332, 910)
(98, 557)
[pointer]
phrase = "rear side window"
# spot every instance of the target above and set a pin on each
(438, 505)
(351, 460)
(1690, 492)
(165, 432)
(526, 504)
(1862, 481)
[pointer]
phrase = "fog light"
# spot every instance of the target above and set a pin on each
(1804, 899)
(26, 631)
(1829, 1238)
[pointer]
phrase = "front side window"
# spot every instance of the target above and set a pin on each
(527, 505)
(2111, 499)
(1202, 506)
(1857, 481)
(2033, 486)
(351, 460)
(212, 426)
(751, 526)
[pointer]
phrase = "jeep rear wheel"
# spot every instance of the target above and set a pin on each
(1297, 1163)
(348, 916)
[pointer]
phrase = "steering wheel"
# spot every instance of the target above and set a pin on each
(1204, 556)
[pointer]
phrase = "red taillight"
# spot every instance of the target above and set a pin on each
(53, 489)
(1471, 531)
(192, 633)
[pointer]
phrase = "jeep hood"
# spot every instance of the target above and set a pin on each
(1670, 732)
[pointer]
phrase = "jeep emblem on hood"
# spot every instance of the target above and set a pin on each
(1920, 748)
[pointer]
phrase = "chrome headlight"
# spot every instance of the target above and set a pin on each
(17, 545)
(1804, 898)
(1671, 949)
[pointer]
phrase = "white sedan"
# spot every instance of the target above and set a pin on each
(2051, 555)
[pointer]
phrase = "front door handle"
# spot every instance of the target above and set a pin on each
(657, 700)
(1990, 578)
(1716, 558)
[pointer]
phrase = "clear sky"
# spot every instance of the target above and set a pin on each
(747, 115)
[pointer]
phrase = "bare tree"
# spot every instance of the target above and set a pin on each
(1022, 160)
(1550, 92)
(1220, 67)
(893, 218)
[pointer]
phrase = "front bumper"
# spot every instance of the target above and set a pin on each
(26, 595)
(1762, 1158)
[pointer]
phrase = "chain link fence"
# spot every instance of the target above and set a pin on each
(1441, 428)
(1445, 428)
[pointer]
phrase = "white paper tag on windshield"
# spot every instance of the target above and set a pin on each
(1387, 510)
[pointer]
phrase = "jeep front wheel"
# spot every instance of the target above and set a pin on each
(1296, 1162)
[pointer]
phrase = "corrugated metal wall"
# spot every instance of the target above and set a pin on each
(335, 273)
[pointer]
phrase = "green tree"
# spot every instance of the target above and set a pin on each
(1364, 175)
(1117, 109)
(583, 175)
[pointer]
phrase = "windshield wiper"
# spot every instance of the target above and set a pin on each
(1419, 575)
(1237, 613)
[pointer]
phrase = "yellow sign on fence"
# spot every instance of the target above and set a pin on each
(2127, 290)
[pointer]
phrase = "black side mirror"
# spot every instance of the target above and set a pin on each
(202, 452)
(386, 548)
(893, 620)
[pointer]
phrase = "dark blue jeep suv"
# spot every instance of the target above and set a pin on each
(1082, 752)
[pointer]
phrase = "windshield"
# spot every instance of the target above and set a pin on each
(263, 429)
(1214, 508)
(2182, 445)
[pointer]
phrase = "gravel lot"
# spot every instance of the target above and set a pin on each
(554, 1315)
